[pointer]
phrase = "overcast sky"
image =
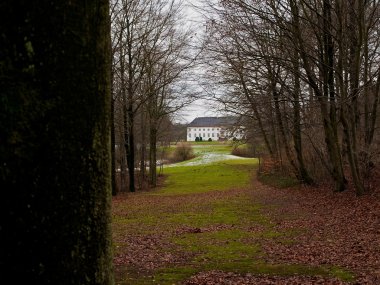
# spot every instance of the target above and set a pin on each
(200, 108)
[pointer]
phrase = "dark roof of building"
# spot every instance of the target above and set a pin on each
(213, 121)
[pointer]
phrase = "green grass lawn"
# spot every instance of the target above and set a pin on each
(210, 147)
(210, 177)
(205, 214)
(221, 148)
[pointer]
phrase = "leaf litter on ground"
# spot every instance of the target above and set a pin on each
(338, 230)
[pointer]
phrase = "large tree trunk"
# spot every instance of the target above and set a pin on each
(55, 142)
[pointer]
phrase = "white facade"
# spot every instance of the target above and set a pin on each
(205, 132)
(215, 133)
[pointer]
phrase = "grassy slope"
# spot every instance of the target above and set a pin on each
(196, 214)
(203, 178)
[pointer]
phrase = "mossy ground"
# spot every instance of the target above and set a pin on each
(208, 214)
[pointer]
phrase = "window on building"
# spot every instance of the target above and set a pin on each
(208, 135)
(212, 134)
(203, 129)
(189, 135)
(204, 135)
(217, 135)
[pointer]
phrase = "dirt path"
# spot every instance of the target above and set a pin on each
(248, 235)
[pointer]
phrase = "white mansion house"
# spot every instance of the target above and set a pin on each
(214, 128)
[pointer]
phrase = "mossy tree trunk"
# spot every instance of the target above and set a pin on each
(55, 147)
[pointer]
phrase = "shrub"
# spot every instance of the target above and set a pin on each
(197, 139)
(243, 150)
(182, 152)
(210, 140)
(239, 152)
(200, 139)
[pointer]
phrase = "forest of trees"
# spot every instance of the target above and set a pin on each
(88, 90)
(150, 73)
(306, 76)
(303, 76)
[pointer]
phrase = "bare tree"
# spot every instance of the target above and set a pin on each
(297, 63)
(149, 62)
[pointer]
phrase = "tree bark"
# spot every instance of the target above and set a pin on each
(55, 142)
